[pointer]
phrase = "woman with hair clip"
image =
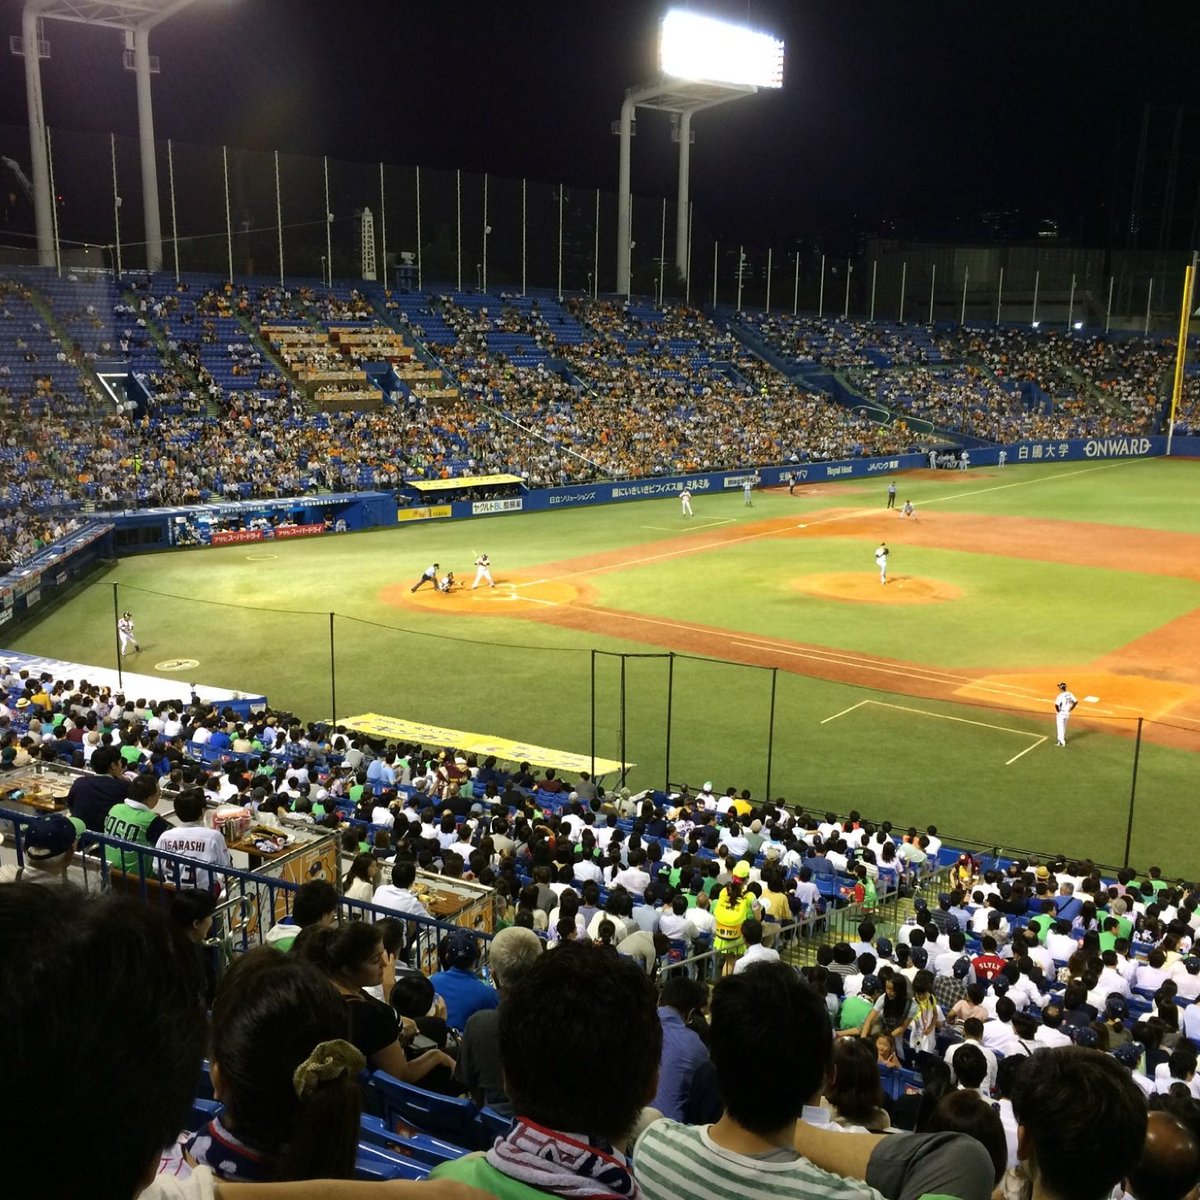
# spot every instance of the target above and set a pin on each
(352, 957)
(286, 1074)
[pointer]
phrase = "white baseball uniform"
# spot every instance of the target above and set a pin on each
(685, 501)
(747, 487)
(881, 557)
(1003, 457)
(908, 510)
(125, 633)
(483, 570)
(1063, 703)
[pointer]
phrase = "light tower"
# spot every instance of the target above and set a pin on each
(704, 63)
(135, 19)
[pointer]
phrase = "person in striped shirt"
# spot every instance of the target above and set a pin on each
(772, 1047)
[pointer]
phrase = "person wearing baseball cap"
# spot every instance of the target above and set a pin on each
(733, 907)
(49, 845)
(1064, 703)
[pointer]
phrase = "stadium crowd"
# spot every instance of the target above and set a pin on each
(1018, 989)
(969, 379)
(556, 393)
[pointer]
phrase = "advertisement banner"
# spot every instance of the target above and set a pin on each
(427, 512)
(31, 598)
(291, 531)
(24, 586)
(481, 507)
(397, 729)
(228, 537)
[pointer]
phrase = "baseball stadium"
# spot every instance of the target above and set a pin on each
(578, 569)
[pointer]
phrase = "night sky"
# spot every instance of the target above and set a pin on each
(909, 116)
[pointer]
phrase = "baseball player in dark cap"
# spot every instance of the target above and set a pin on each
(1064, 702)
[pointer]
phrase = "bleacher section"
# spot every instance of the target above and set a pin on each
(460, 384)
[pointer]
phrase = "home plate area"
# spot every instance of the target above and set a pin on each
(512, 594)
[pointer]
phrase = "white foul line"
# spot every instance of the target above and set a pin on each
(845, 711)
(1043, 738)
(703, 525)
(1039, 738)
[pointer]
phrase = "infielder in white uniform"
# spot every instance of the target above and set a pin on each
(1064, 702)
(685, 502)
(909, 511)
(881, 557)
(125, 633)
(483, 570)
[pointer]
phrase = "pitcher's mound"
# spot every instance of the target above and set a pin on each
(864, 588)
(511, 594)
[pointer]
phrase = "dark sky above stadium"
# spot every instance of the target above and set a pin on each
(921, 113)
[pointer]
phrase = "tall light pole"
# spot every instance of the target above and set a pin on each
(704, 63)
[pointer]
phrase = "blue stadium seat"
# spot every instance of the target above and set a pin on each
(374, 1163)
(408, 1107)
(421, 1147)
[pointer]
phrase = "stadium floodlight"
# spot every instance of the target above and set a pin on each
(692, 46)
(704, 63)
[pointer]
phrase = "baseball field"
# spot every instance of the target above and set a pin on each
(926, 699)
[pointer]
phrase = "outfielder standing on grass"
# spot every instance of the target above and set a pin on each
(483, 570)
(125, 633)
(685, 502)
(1064, 702)
(881, 557)
(429, 575)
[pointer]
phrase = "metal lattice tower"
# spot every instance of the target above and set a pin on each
(367, 232)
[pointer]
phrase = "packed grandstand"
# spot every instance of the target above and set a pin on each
(145, 391)
(951, 992)
(650, 945)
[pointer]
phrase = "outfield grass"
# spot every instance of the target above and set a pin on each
(261, 624)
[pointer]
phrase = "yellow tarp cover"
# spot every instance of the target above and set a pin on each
(395, 729)
(463, 481)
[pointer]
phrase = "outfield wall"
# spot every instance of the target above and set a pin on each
(56, 566)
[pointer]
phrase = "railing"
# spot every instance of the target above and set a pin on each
(250, 902)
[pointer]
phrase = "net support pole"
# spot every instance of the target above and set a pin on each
(593, 714)
(623, 766)
(332, 675)
(903, 285)
(1108, 308)
(1185, 321)
(1137, 752)
(117, 629)
(670, 706)
(771, 731)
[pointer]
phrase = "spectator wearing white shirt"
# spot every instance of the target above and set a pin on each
(734, 840)
(933, 845)
(1186, 975)
(673, 921)
(398, 895)
(1050, 1031)
(752, 934)
(973, 1036)
(1059, 941)
(1152, 973)
(633, 878)
(700, 921)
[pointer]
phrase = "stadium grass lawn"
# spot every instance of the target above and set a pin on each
(212, 605)
(1150, 493)
(749, 587)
